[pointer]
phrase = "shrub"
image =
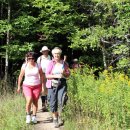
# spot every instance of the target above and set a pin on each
(101, 103)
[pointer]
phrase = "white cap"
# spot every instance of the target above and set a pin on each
(44, 48)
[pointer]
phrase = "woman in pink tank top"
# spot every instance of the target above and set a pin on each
(32, 84)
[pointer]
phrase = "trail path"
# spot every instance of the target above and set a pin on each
(44, 120)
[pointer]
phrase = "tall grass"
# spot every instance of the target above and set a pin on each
(101, 103)
(12, 112)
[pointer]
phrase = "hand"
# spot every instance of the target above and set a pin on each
(58, 76)
(18, 90)
(66, 73)
(44, 91)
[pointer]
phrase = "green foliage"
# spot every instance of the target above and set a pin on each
(12, 113)
(17, 51)
(4, 26)
(55, 18)
(81, 25)
(124, 63)
(102, 103)
(110, 1)
(89, 37)
(23, 25)
(121, 49)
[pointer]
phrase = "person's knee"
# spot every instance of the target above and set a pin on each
(53, 105)
(53, 109)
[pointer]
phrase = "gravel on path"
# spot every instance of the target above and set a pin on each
(44, 120)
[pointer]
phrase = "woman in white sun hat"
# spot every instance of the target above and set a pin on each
(43, 60)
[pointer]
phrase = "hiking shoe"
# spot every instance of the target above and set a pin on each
(55, 121)
(60, 121)
(28, 119)
(34, 120)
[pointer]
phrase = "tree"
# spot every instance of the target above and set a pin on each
(106, 30)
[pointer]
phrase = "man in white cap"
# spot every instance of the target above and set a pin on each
(43, 60)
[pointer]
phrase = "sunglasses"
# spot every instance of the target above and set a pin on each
(31, 58)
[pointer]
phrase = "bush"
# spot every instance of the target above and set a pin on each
(99, 103)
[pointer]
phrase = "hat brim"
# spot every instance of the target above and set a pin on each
(44, 50)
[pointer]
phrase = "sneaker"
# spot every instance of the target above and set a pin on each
(55, 121)
(28, 119)
(60, 121)
(34, 119)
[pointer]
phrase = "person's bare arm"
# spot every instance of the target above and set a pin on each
(20, 79)
(52, 76)
(42, 78)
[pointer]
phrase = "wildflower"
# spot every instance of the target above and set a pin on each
(105, 72)
(110, 67)
(126, 77)
(121, 77)
(102, 88)
(128, 83)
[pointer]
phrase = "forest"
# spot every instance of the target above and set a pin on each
(96, 32)
(99, 30)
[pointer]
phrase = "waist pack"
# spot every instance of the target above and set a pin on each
(55, 83)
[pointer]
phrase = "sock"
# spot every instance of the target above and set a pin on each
(28, 113)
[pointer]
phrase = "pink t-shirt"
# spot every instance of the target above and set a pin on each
(51, 69)
(32, 76)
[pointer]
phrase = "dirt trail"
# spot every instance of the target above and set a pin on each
(44, 120)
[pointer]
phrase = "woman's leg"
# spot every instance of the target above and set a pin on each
(53, 105)
(61, 92)
(35, 106)
(36, 93)
(28, 104)
(28, 96)
(44, 102)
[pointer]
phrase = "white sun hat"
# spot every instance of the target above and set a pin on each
(44, 48)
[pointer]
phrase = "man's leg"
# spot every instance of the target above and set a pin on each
(43, 99)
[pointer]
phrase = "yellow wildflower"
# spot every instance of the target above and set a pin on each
(129, 83)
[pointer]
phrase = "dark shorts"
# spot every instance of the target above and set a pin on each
(55, 95)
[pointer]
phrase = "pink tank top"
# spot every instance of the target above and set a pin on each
(32, 76)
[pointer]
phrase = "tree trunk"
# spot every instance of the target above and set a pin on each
(1, 11)
(1, 62)
(7, 42)
(104, 58)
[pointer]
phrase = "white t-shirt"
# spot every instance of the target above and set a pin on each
(58, 68)
(31, 75)
(43, 61)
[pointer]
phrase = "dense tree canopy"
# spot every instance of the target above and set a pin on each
(100, 29)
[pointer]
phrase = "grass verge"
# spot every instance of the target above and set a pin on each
(12, 113)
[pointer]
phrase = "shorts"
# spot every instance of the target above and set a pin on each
(56, 95)
(32, 91)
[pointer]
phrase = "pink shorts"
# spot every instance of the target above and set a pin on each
(32, 91)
